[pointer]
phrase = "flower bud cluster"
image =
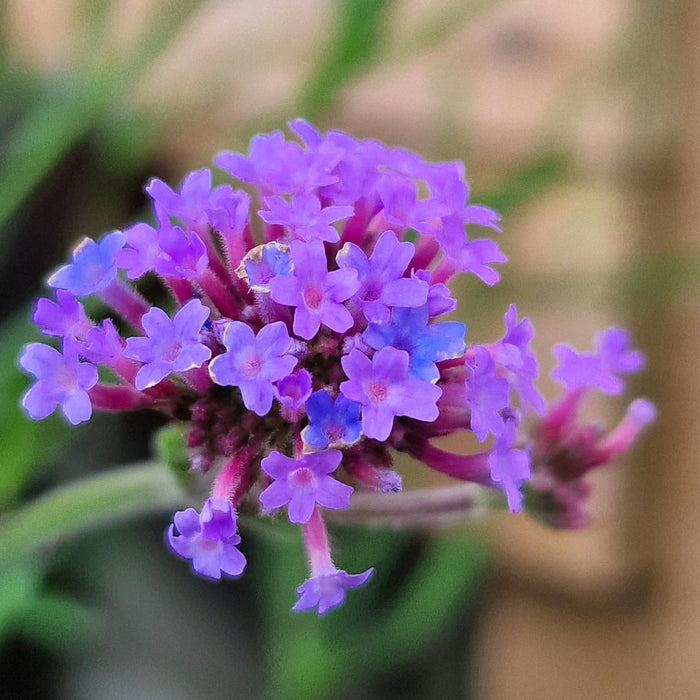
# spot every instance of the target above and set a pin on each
(300, 335)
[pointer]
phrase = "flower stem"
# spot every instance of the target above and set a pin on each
(86, 504)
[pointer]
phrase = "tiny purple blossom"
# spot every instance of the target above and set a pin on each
(293, 390)
(253, 363)
(170, 345)
(92, 267)
(426, 343)
(182, 254)
(64, 317)
(209, 540)
(613, 347)
(265, 262)
(381, 277)
(327, 591)
(190, 204)
(61, 380)
(302, 483)
(331, 422)
(402, 208)
(512, 353)
(473, 256)
(598, 369)
(487, 394)
(102, 344)
(141, 252)
(316, 293)
(440, 301)
(304, 217)
(383, 387)
(509, 467)
(228, 210)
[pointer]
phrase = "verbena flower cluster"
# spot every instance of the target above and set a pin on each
(302, 341)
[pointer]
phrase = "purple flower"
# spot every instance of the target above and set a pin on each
(209, 539)
(331, 422)
(316, 293)
(440, 301)
(292, 392)
(62, 380)
(598, 369)
(302, 483)
(383, 388)
(304, 216)
(182, 254)
(102, 343)
(381, 277)
(425, 343)
(191, 203)
(279, 167)
(228, 210)
(402, 208)
(473, 256)
(515, 357)
(141, 252)
(264, 165)
(265, 262)
(613, 348)
(93, 266)
(509, 467)
(328, 590)
(171, 345)
(65, 317)
(253, 363)
(487, 394)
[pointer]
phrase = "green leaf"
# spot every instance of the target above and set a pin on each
(352, 45)
(524, 184)
(49, 619)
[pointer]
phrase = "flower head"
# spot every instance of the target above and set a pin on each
(327, 591)
(304, 348)
(208, 539)
(93, 266)
(61, 380)
(382, 284)
(316, 293)
(170, 345)
(253, 363)
(384, 389)
(302, 483)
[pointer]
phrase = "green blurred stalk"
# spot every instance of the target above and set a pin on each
(87, 504)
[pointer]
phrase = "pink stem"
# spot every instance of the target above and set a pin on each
(316, 542)
(443, 272)
(219, 294)
(112, 397)
(426, 250)
(127, 302)
(181, 289)
(473, 467)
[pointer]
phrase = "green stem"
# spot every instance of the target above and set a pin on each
(89, 503)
